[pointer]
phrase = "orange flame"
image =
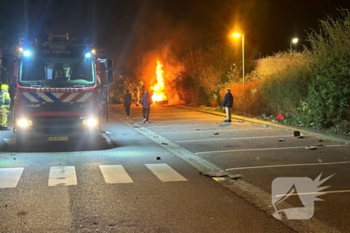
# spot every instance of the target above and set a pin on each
(158, 88)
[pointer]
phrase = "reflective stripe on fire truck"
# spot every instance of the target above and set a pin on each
(34, 97)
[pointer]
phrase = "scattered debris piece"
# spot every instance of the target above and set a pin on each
(301, 136)
(235, 176)
(320, 140)
(280, 116)
(164, 143)
(296, 133)
(281, 139)
(214, 174)
(158, 158)
(310, 148)
(216, 133)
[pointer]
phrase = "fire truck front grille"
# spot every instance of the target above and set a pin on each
(57, 125)
(63, 107)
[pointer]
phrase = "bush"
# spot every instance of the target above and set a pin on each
(329, 93)
(285, 90)
(247, 98)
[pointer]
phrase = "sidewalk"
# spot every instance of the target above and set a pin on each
(304, 131)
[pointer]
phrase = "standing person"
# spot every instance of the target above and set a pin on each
(127, 103)
(5, 101)
(227, 104)
(146, 102)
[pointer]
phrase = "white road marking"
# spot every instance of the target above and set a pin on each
(181, 125)
(287, 165)
(165, 173)
(314, 193)
(208, 131)
(62, 176)
(260, 149)
(9, 177)
(216, 139)
(114, 174)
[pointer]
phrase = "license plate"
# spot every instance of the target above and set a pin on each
(58, 139)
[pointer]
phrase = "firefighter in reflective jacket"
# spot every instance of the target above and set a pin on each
(5, 101)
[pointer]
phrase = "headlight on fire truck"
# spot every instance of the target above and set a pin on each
(24, 123)
(90, 122)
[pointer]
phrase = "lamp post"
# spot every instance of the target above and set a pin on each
(242, 36)
(293, 41)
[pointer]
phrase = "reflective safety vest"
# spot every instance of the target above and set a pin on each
(4, 99)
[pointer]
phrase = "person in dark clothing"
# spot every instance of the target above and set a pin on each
(127, 103)
(146, 102)
(227, 104)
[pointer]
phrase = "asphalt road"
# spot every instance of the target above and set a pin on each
(176, 174)
(127, 183)
(259, 152)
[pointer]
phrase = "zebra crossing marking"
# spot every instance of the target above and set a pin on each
(9, 177)
(112, 174)
(165, 173)
(62, 176)
(115, 174)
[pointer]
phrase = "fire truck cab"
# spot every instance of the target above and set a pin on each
(60, 86)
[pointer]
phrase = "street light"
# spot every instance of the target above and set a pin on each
(293, 41)
(241, 35)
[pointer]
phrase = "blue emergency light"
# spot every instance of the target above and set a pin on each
(27, 53)
(88, 55)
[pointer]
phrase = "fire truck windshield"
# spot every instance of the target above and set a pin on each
(56, 72)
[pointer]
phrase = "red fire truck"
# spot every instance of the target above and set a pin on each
(60, 90)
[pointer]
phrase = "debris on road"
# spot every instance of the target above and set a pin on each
(301, 136)
(164, 143)
(158, 158)
(296, 133)
(235, 176)
(310, 148)
(281, 139)
(216, 133)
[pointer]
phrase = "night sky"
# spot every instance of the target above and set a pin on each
(124, 27)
